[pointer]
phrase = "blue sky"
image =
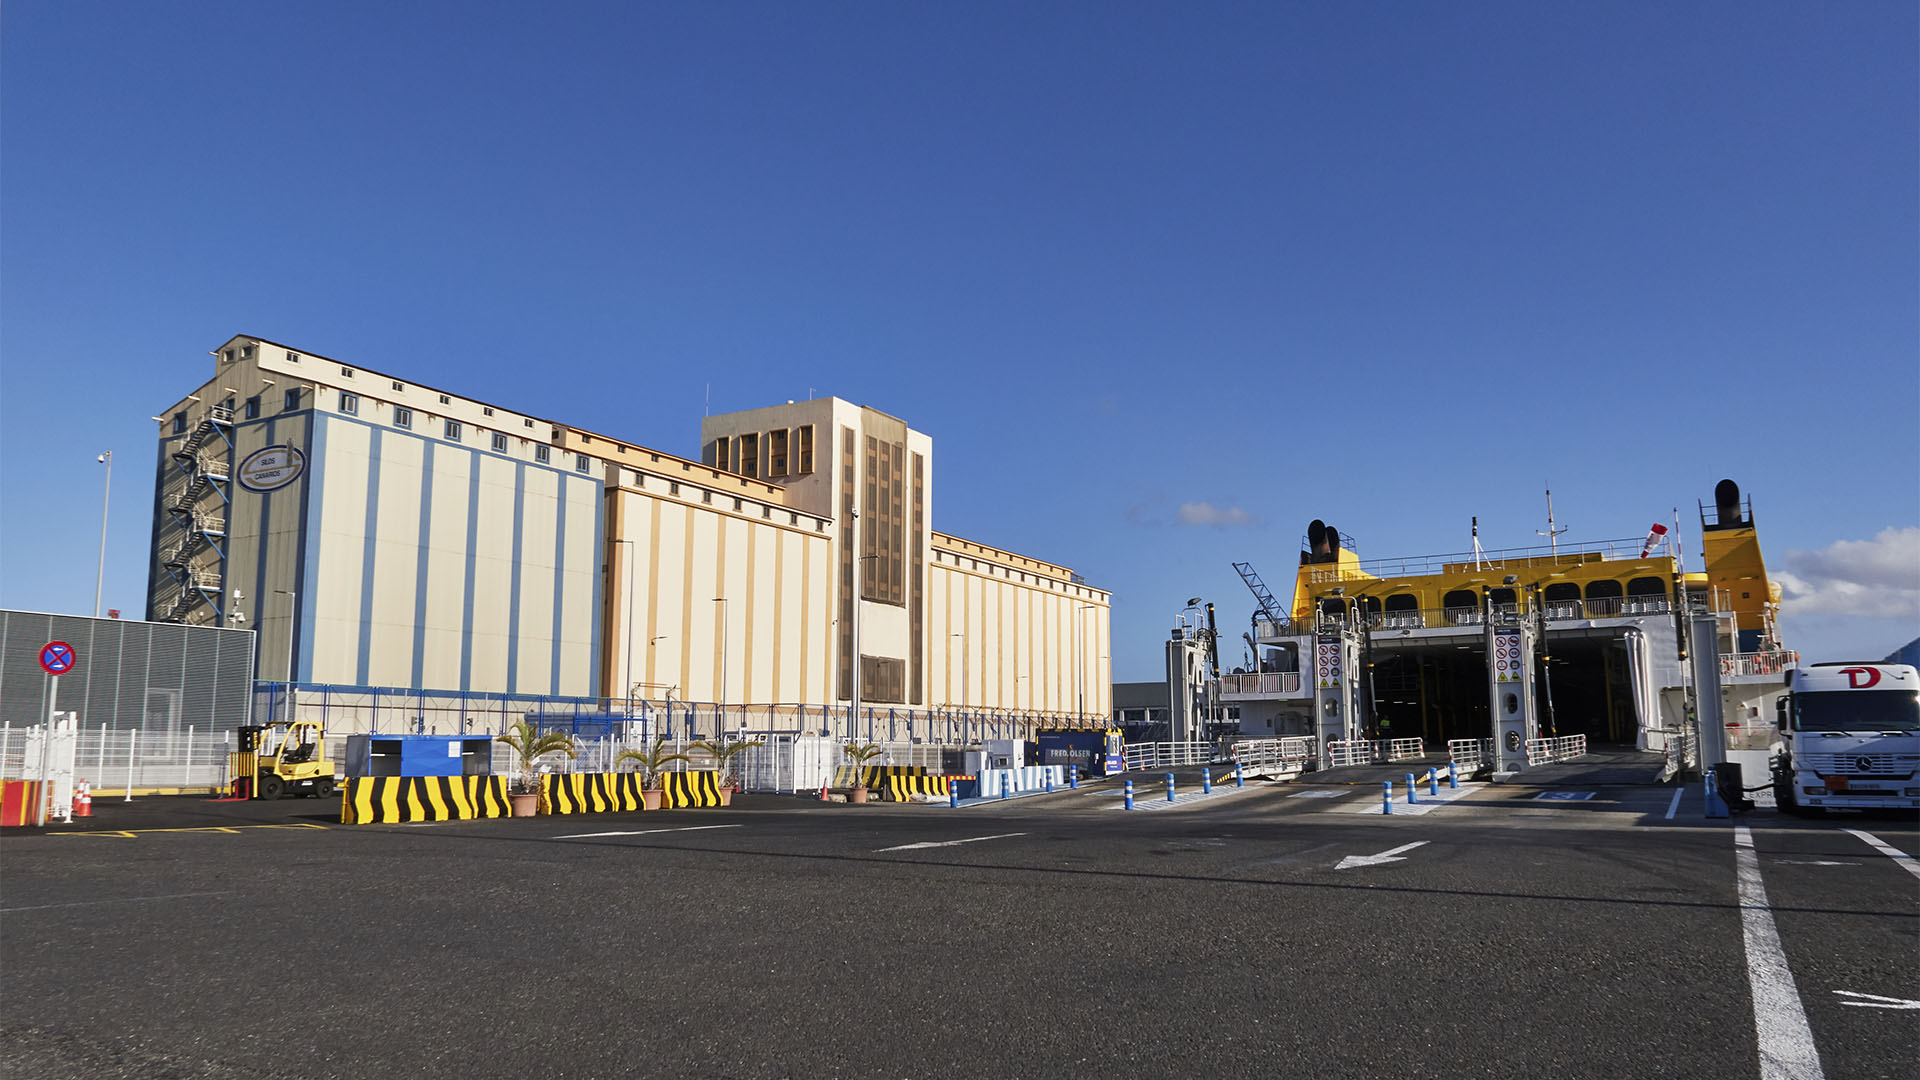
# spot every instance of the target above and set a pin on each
(1164, 283)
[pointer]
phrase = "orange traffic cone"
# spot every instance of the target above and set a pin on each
(83, 801)
(823, 791)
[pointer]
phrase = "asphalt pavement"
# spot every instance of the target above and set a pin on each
(1518, 931)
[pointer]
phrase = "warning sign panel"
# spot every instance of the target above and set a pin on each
(1326, 664)
(1506, 656)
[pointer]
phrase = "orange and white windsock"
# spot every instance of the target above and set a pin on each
(1653, 537)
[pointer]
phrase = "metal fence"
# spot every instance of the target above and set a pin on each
(1266, 682)
(1273, 756)
(156, 678)
(120, 761)
(1470, 753)
(1548, 751)
(1164, 755)
(1343, 752)
(392, 711)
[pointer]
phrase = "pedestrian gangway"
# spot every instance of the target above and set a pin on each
(1165, 755)
(1278, 759)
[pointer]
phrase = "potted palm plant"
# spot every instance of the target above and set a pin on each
(860, 754)
(530, 745)
(723, 752)
(650, 763)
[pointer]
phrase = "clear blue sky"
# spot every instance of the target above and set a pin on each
(1390, 265)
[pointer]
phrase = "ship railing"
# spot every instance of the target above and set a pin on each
(1753, 664)
(1266, 682)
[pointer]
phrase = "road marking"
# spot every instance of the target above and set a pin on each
(1675, 804)
(1318, 795)
(1875, 1001)
(119, 900)
(129, 834)
(1813, 862)
(950, 843)
(1779, 1021)
(643, 832)
(1390, 855)
(1569, 796)
(1912, 866)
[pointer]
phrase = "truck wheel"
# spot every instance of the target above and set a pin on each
(1784, 800)
(323, 787)
(271, 786)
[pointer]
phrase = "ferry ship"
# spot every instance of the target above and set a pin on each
(1497, 653)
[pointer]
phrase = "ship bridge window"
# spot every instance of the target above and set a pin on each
(1333, 607)
(1603, 590)
(1501, 596)
(1405, 601)
(1460, 598)
(1561, 590)
(1646, 586)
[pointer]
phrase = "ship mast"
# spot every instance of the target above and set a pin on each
(1552, 534)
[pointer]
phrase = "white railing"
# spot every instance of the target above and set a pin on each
(1270, 756)
(1547, 751)
(1771, 662)
(1470, 753)
(1402, 749)
(114, 760)
(1344, 752)
(1269, 682)
(1166, 755)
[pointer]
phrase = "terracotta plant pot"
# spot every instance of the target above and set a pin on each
(859, 795)
(726, 796)
(525, 805)
(650, 799)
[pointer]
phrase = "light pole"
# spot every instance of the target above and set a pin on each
(626, 583)
(100, 576)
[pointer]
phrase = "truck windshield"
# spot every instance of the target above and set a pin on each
(1857, 710)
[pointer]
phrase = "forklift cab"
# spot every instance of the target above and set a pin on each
(296, 765)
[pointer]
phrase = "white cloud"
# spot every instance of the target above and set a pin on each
(1875, 578)
(1201, 513)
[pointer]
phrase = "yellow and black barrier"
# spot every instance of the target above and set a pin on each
(679, 789)
(904, 788)
(873, 776)
(591, 793)
(375, 800)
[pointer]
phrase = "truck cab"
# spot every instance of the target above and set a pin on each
(1848, 738)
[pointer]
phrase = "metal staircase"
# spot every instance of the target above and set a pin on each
(1269, 604)
(206, 473)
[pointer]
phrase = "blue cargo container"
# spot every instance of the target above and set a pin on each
(1093, 753)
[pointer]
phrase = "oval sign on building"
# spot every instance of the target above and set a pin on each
(271, 467)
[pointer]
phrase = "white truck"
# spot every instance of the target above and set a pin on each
(1849, 738)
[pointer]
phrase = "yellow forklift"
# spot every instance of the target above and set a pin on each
(295, 765)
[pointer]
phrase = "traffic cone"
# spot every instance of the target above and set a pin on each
(82, 801)
(823, 791)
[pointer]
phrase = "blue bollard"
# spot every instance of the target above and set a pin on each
(1239, 780)
(1169, 787)
(1073, 779)
(1433, 782)
(1453, 774)
(1386, 796)
(953, 795)
(1129, 794)
(1206, 781)
(1413, 790)
(1006, 786)
(1049, 783)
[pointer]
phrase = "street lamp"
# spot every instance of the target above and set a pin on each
(100, 576)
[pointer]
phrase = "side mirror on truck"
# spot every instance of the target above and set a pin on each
(1780, 712)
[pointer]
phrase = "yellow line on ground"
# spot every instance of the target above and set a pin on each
(132, 833)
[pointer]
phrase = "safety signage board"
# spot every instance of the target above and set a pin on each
(1326, 663)
(1506, 656)
(57, 658)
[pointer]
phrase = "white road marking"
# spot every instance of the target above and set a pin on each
(1905, 860)
(1318, 794)
(1675, 804)
(1387, 856)
(1401, 806)
(1813, 862)
(1875, 1001)
(643, 832)
(1779, 1021)
(950, 843)
(116, 900)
